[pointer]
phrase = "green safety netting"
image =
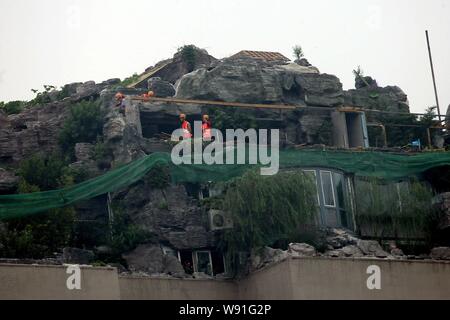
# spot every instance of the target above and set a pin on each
(361, 163)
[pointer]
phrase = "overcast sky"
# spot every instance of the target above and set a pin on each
(62, 41)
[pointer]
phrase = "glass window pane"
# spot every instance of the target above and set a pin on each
(338, 180)
(327, 188)
(312, 175)
(204, 262)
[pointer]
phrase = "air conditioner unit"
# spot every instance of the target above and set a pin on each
(219, 220)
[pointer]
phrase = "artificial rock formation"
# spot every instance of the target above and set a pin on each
(390, 98)
(170, 214)
(255, 81)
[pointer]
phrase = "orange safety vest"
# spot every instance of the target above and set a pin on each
(186, 133)
(206, 129)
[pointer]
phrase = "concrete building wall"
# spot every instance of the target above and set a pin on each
(273, 282)
(304, 278)
(29, 282)
(139, 288)
(333, 279)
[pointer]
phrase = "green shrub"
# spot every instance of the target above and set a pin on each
(324, 134)
(125, 235)
(158, 177)
(85, 124)
(189, 56)
(45, 172)
(298, 52)
(12, 107)
(394, 210)
(40, 235)
(64, 92)
(42, 97)
(266, 209)
(232, 119)
(132, 79)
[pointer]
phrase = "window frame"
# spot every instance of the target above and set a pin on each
(334, 206)
(315, 182)
(195, 260)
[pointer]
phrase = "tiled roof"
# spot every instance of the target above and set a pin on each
(264, 55)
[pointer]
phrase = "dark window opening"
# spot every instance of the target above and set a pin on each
(154, 125)
(186, 261)
(203, 262)
(439, 178)
(218, 262)
(354, 130)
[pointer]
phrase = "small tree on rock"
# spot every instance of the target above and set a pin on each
(298, 52)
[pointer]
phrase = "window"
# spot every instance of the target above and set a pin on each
(327, 188)
(187, 261)
(335, 205)
(312, 174)
(203, 262)
(171, 252)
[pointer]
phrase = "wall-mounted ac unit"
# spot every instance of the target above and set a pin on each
(219, 220)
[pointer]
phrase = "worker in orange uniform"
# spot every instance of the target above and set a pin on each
(206, 128)
(148, 95)
(186, 126)
(120, 102)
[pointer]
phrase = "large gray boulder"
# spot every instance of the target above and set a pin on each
(170, 214)
(150, 258)
(77, 256)
(32, 131)
(301, 250)
(390, 98)
(255, 81)
(441, 253)
(266, 256)
(372, 248)
(8, 181)
(339, 238)
(173, 69)
(147, 258)
(161, 88)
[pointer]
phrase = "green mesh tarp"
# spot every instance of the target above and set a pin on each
(364, 163)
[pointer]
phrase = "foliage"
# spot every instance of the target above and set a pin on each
(158, 177)
(399, 210)
(132, 79)
(298, 52)
(42, 96)
(64, 92)
(359, 72)
(266, 209)
(103, 154)
(324, 133)
(40, 235)
(402, 136)
(125, 235)
(232, 119)
(12, 107)
(44, 172)
(189, 56)
(84, 124)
